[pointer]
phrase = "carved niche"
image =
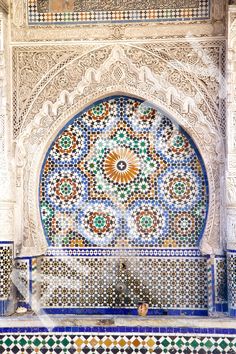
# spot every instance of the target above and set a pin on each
(148, 71)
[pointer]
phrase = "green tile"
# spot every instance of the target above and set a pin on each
(208, 344)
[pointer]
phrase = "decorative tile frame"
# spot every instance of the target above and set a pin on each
(6, 267)
(221, 289)
(40, 12)
(6, 263)
(217, 284)
(144, 280)
(115, 340)
(231, 271)
(23, 268)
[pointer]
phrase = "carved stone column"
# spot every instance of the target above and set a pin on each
(231, 159)
(6, 185)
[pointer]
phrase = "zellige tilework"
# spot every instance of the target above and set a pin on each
(163, 283)
(6, 263)
(122, 174)
(129, 343)
(221, 280)
(95, 11)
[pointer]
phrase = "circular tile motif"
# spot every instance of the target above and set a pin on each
(184, 223)
(147, 222)
(101, 115)
(179, 189)
(99, 223)
(69, 146)
(173, 145)
(142, 116)
(65, 189)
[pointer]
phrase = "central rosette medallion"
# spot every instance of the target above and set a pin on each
(122, 165)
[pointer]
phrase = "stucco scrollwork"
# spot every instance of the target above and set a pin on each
(116, 73)
(40, 74)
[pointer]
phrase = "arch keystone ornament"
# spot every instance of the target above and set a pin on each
(117, 73)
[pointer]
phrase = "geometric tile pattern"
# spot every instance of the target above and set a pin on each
(6, 261)
(122, 174)
(53, 11)
(231, 272)
(82, 282)
(221, 280)
(23, 279)
(115, 344)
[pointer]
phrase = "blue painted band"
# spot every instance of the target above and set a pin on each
(4, 306)
(232, 312)
(231, 251)
(6, 242)
(124, 311)
(221, 307)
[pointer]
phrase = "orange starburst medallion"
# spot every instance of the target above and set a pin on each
(121, 165)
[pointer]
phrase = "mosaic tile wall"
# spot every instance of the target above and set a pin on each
(130, 343)
(221, 280)
(121, 174)
(163, 283)
(217, 284)
(6, 262)
(54, 11)
(121, 186)
(231, 271)
(23, 271)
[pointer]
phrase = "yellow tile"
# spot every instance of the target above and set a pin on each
(79, 342)
(151, 342)
(122, 342)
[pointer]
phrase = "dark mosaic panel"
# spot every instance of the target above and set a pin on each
(23, 279)
(221, 280)
(121, 174)
(116, 282)
(64, 11)
(6, 261)
(116, 344)
(231, 271)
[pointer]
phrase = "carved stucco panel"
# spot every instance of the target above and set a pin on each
(116, 73)
(172, 66)
(34, 69)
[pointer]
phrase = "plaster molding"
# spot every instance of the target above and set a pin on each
(115, 72)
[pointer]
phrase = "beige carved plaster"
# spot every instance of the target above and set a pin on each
(109, 70)
(231, 132)
(41, 73)
(6, 180)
